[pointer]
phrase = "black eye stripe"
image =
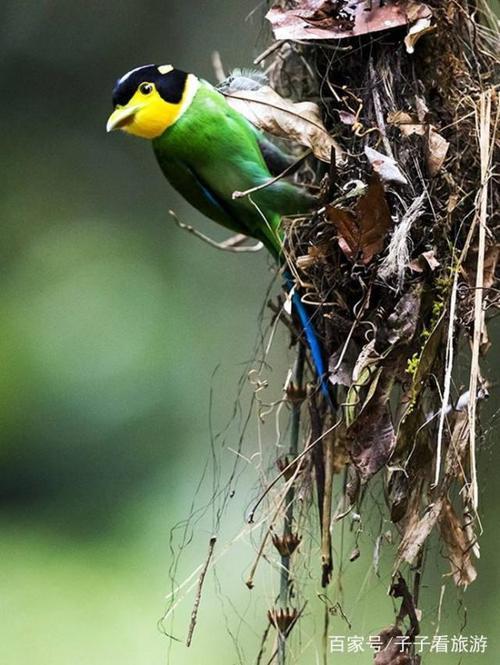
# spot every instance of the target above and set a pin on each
(170, 86)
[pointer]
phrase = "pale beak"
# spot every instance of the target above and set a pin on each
(122, 117)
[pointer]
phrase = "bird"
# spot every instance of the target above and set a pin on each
(207, 151)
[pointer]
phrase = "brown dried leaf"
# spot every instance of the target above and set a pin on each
(341, 373)
(406, 123)
(422, 109)
(318, 19)
(426, 261)
(458, 545)
(349, 239)
(298, 121)
(417, 532)
(469, 268)
(364, 230)
(372, 438)
(436, 150)
(421, 27)
(385, 166)
(436, 147)
(398, 487)
(459, 443)
(453, 202)
(391, 651)
(401, 324)
(366, 372)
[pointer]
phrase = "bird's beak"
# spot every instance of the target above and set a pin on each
(122, 117)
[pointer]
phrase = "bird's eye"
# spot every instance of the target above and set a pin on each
(146, 88)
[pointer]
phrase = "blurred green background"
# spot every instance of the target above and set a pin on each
(116, 328)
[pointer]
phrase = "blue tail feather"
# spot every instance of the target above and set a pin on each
(311, 338)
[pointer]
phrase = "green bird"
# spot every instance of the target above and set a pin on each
(208, 151)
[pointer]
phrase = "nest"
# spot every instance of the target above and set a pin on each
(399, 267)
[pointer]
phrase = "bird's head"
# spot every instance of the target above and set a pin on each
(149, 99)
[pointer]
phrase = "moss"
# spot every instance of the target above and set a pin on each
(413, 364)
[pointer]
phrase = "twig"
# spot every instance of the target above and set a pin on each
(306, 450)
(249, 581)
(268, 51)
(447, 376)
(218, 66)
(378, 111)
(440, 607)
(232, 244)
(485, 155)
(197, 600)
(295, 389)
(326, 536)
(263, 644)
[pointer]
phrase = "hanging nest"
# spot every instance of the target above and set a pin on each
(398, 265)
(397, 102)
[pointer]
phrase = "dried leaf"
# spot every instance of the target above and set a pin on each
(364, 230)
(401, 324)
(398, 487)
(372, 437)
(458, 446)
(436, 146)
(421, 27)
(355, 554)
(315, 19)
(350, 233)
(366, 359)
(385, 166)
(365, 367)
(298, 121)
(469, 268)
(390, 648)
(458, 545)
(417, 532)
(436, 150)
(406, 123)
(426, 261)
(422, 109)
(347, 117)
(342, 374)
(453, 202)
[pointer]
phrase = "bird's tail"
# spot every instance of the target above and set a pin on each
(313, 342)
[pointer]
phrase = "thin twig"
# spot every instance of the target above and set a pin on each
(263, 644)
(378, 111)
(218, 67)
(306, 450)
(268, 51)
(485, 155)
(197, 600)
(326, 535)
(232, 244)
(296, 385)
(447, 376)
